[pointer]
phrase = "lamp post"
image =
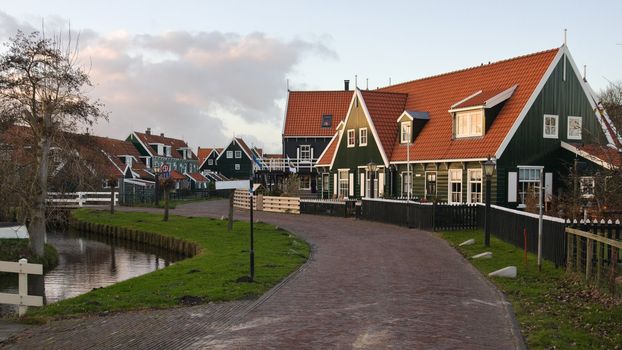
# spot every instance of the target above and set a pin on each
(156, 173)
(489, 169)
(371, 168)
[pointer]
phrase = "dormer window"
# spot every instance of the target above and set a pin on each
(327, 121)
(405, 134)
(168, 151)
(469, 123)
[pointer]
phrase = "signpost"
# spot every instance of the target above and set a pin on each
(232, 186)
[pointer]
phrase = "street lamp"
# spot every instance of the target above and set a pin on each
(371, 169)
(489, 169)
(156, 174)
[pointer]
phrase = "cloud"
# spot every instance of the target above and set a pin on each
(204, 86)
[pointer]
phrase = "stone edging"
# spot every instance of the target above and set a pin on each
(174, 244)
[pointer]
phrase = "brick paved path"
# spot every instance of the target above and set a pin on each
(368, 285)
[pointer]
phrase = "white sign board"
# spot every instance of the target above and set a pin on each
(233, 185)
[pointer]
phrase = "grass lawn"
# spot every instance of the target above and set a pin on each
(209, 276)
(555, 311)
(172, 204)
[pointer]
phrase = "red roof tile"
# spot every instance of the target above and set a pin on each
(174, 143)
(114, 148)
(327, 157)
(604, 153)
(436, 94)
(197, 177)
(177, 176)
(384, 109)
(305, 110)
(479, 99)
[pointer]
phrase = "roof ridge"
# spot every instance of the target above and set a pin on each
(470, 68)
(384, 92)
(301, 91)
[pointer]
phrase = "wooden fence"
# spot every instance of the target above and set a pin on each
(452, 217)
(21, 299)
(291, 205)
(593, 250)
(328, 207)
(409, 214)
(81, 199)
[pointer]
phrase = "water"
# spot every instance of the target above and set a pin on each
(89, 261)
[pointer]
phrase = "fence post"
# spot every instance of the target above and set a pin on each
(22, 288)
(570, 250)
(614, 261)
(578, 245)
(588, 258)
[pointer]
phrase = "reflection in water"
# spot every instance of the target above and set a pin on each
(89, 261)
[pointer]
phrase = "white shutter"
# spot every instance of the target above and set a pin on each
(311, 154)
(335, 183)
(548, 186)
(351, 185)
(512, 186)
(297, 154)
(380, 184)
(362, 184)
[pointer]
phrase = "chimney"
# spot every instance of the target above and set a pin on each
(162, 134)
(148, 131)
(346, 85)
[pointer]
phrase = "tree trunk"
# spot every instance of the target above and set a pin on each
(166, 195)
(111, 197)
(37, 226)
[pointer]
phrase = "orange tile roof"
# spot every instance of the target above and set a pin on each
(197, 177)
(479, 99)
(177, 176)
(604, 153)
(305, 110)
(203, 153)
(114, 148)
(436, 94)
(327, 157)
(169, 141)
(384, 109)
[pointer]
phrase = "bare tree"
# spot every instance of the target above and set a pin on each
(167, 186)
(42, 88)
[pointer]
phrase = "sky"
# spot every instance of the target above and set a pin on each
(206, 71)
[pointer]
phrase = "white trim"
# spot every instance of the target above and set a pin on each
(207, 157)
(449, 183)
(373, 128)
(465, 99)
(142, 143)
(405, 113)
(544, 134)
(520, 212)
(353, 144)
(361, 144)
(500, 97)
(410, 132)
(324, 151)
(510, 135)
(568, 127)
(481, 182)
(338, 132)
(425, 183)
(285, 113)
(464, 109)
(307, 137)
(588, 156)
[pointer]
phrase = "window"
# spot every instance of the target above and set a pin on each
(575, 125)
(587, 186)
(325, 185)
(168, 151)
(368, 183)
(407, 183)
(305, 182)
(210, 162)
(363, 137)
(305, 152)
(550, 126)
(229, 154)
(430, 184)
(343, 183)
(405, 133)
(475, 186)
(469, 123)
(237, 166)
(528, 185)
(351, 138)
(327, 121)
(238, 154)
(455, 185)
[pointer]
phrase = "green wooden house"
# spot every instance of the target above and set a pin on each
(156, 150)
(236, 160)
(427, 139)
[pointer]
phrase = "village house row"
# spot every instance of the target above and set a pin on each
(425, 139)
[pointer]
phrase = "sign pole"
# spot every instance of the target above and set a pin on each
(252, 252)
(541, 202)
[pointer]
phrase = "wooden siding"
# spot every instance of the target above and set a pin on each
(226, 166)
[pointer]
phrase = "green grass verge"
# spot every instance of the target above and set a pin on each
(209, 276)
(555, 310)
(174, 203)
(13, 249)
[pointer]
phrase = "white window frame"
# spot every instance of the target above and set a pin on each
(305, 149)
(481, 185)
(325, 182)
(524, 183)
(351, 138)
(584, 181)
(451, 181)
(210, 162)
(473, 118)
(229, 155)
(308, 182)
(236, 166)
(580, 120)
(238, 154)
(343, 185)
(407, 180)
(435, 184)
(363, 137)
(406, 132)
(550, 135)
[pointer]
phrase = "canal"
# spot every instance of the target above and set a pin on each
(87, 261)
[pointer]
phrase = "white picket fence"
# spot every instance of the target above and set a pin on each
(21, 299)
(81, 199)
